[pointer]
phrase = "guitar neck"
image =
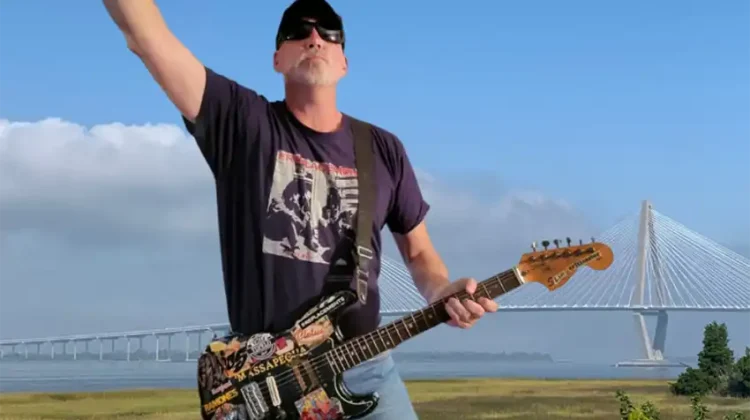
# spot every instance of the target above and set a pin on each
(387, 337)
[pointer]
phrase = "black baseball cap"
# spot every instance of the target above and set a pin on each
(320, 10)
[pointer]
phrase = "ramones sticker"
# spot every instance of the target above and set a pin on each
(211, 406)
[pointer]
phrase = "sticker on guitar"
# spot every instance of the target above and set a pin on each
(261, 346)
(314, 334)
(318, 406)
(262, 352)
(221, 388)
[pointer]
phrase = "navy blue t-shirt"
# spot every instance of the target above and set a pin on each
(286, 195)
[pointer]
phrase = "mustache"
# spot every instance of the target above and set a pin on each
(307, 54)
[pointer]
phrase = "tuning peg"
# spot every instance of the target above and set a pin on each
(556, 242)
(568, 241)
(533, 246)
(545, 244)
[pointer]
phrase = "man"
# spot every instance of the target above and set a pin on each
(286, 182)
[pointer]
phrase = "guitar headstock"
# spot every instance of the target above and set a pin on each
(553, 267)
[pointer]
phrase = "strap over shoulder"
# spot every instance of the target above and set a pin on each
(365, 162)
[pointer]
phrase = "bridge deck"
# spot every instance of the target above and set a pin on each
(685, 271)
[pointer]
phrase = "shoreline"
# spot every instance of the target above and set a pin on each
(434, 399)
(115, 376)
(416, 382)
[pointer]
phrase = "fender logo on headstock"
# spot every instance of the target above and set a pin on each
(554, 280)
(553, 268)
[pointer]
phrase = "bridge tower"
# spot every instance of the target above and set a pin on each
(648, 276)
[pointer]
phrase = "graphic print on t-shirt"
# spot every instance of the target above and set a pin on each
(311, 207)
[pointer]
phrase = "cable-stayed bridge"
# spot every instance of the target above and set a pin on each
(660, 266)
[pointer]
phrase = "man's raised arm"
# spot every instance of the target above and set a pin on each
(172, 65)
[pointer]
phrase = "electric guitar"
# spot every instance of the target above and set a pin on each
(296, 374)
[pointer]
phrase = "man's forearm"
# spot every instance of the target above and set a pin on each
(429, 273)
(137, 19)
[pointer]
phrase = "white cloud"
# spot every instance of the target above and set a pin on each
(106, 184)
(80, 208)
(481, 227)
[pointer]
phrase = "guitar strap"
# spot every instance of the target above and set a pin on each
(364, 162)
(362, 252)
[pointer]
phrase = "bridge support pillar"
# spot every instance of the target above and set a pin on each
(660, 335)
(648, 278)
(169, 347)
(653, 349)
(187, 347)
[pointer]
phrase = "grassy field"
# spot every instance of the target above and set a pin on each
(434, 400)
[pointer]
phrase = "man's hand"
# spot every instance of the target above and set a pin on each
(465, 314)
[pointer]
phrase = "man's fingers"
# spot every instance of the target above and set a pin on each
(465, 313)
(455, 319)
(488, 305)
(457, 312)
(476, 310)
(471, 286)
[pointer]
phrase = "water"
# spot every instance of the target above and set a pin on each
(65, 376)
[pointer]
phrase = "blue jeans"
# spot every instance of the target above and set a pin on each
(380, 375)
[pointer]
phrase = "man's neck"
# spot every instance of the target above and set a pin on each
(315, 107)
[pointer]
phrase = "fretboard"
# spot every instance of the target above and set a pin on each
(387, 337)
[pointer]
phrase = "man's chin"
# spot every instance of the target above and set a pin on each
(311, 78)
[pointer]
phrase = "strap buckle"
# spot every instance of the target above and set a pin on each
(364, 252)
(364, 255)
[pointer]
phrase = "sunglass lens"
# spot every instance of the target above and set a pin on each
(303, 30)
(330, 35)
(299, 31)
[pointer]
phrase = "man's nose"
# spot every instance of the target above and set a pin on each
(314, 41)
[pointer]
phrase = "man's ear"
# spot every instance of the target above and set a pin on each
(276, 61)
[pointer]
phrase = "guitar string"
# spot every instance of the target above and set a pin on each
(288, 377)
(340, 352)
(316, 362)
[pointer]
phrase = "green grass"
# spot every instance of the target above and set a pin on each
(434, 400)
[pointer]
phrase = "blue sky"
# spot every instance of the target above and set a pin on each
(599, 104)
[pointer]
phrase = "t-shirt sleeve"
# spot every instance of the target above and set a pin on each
(409, 207)
(225, 121)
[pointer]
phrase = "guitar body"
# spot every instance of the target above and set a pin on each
(276, 376)
(296, 374)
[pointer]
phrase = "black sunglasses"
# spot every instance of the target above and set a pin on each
(302, 29)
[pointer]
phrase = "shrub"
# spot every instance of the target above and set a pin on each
(739, 380)
(647, 411)
(717, 373)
